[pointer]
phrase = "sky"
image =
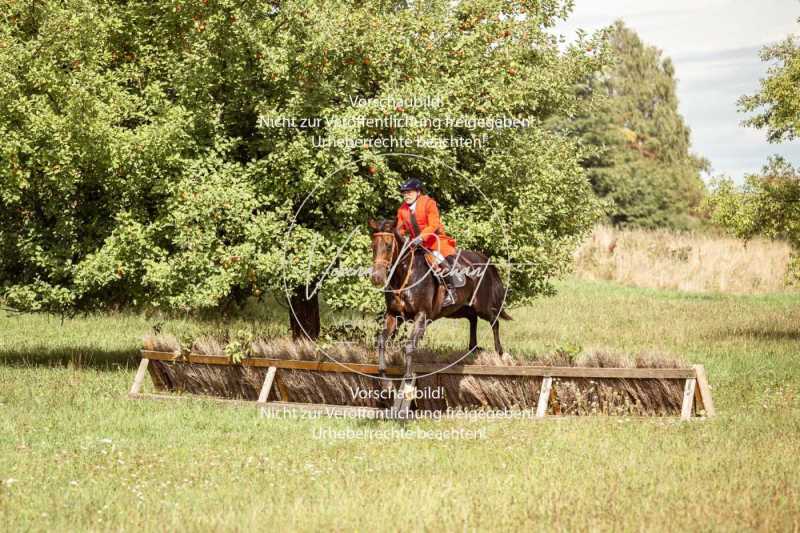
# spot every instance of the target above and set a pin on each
(714, 45)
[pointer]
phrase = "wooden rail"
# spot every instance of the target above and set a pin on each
(434, 368)
(697, 392)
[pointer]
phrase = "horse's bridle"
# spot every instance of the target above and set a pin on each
(394, 246)
(389, 262)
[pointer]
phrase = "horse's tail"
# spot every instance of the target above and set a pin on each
(499, 293)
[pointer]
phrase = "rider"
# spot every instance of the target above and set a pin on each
(418, 216)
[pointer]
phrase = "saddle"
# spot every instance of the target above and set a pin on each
(456, 281)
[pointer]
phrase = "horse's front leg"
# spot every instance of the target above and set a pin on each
(413, 341)
(389, 328)
(473, 332)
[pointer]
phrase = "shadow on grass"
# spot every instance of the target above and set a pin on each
(757, 334)
(73, 357)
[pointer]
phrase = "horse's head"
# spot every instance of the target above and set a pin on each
(384, 249)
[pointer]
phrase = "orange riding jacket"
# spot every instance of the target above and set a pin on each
(430, 225)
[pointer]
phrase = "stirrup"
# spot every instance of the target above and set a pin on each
(449, 299)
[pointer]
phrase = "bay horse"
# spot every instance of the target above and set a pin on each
(413, 293)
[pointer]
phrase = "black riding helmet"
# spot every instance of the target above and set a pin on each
(412, 185)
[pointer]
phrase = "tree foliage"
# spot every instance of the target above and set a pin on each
(135, 169)
(638, 156)
(777, 104)
(768, 203)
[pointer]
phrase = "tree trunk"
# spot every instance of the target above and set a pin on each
(304, 315)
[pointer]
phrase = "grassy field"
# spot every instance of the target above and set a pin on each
(75, 454)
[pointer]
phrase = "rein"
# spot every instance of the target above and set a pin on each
(394, 250)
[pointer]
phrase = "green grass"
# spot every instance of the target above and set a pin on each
(85, 457)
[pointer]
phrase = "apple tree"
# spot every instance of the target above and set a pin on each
(188, 155)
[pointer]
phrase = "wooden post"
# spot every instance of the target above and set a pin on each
(705, 390)
(544, 396)
(139, 378)
(267, 386)
(688, 398)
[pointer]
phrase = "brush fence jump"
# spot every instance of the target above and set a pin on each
(271, 378)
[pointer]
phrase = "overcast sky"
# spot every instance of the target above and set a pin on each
(714, 45)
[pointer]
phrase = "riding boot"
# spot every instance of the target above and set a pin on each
(455, 274)
(445, 274)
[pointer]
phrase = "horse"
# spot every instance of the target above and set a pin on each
(413, 292)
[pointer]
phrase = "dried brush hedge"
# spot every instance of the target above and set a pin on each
(575, 396)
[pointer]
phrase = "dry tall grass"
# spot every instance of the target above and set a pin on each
(664, 259)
